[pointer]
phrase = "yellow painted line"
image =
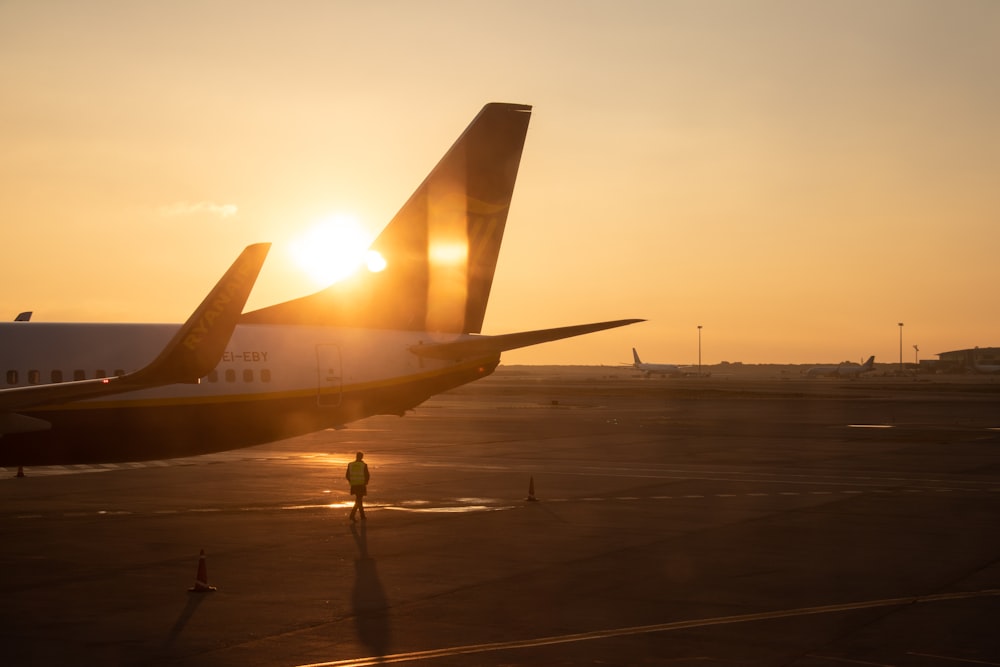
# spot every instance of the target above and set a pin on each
(964, 661)
(647, 629)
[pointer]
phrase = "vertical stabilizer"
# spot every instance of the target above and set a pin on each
(440, 250)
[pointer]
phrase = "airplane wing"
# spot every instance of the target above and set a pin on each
(193, 351)
(482, 346)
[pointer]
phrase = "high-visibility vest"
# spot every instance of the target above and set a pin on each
(356, 473)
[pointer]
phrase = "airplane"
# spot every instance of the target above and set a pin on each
(380, 342)
(656, 369)
(842, 370)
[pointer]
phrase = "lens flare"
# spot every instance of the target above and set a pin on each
(332, 249)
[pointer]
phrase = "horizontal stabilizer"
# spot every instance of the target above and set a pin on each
(194, 350)
(483, 346)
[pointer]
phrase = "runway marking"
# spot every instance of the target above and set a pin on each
(967, 661)
(649, 629)
(447, 510)
(468, 504)
(445, 506)
(460, 505)
(849, 661)
(234, 456)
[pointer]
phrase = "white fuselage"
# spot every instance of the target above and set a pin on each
(272, 381)
(843, 370)
(658, 369)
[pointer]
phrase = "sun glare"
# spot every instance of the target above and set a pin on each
(332, 249)
(375, 261)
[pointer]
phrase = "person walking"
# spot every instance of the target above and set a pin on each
(358, 476)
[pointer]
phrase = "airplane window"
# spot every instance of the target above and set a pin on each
(213, 375)
(11, 377)
(100, 374)
(230, 375)
(79, 375)
(55, 376)
(119, 372)
(265, 375)
(34, 377)
(247, 375)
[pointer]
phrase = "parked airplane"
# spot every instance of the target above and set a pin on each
(381, 342)
(656, 369)
(842, 370)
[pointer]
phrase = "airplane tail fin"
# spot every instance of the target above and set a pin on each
(635, 356)
(440, 250)
(870, 363)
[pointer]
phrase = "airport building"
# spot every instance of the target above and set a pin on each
(960, 361)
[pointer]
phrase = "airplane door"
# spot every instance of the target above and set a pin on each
(328, 375)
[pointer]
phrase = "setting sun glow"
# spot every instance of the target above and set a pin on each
(333, 249)
(801, 177)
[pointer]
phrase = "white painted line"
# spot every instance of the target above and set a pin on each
(964, 661)
(647, 629)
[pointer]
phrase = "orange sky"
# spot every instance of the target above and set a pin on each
(797, 177)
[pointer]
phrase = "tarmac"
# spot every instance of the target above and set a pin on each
(546, 516)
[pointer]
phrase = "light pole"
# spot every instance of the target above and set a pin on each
(900, 347)
(699, 350)
(916, 357)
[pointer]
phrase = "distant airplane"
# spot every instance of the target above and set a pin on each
(656, 369)
(842, 370)
(381, 342)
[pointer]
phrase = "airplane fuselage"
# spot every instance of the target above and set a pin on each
(842, 371)
(658, 369)
(273, 382)
(225, 378)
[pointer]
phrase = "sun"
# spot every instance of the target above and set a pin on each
(333, 249)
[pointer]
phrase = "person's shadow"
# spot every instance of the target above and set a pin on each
(371, 608)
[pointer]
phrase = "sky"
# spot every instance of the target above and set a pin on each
(796, 177)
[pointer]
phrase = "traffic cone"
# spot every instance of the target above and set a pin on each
(201, 580)
(20, 471)
(531, 490)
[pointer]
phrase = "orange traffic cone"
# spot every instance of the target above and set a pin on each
(201, 581)
(531, 490)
